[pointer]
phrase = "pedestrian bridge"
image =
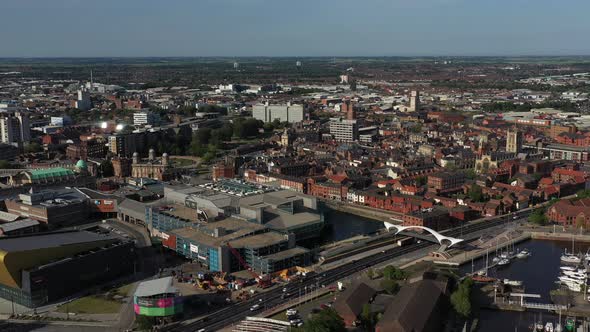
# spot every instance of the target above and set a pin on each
(442, 240)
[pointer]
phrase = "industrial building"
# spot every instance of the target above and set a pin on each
(286, 212)
(34, 269)
(52, 208)
(262, 229)
(284, 113)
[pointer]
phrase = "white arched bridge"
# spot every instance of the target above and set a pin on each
(443, 240)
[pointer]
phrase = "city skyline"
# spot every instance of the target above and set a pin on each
(263, 28)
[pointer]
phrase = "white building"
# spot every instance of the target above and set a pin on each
(15, 128)
(344, 130)
(144, 118)
(284, 113)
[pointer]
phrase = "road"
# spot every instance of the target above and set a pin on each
(237, 312)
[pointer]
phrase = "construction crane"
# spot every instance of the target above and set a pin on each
(262, 282)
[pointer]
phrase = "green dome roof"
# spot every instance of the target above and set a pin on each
(81, 164)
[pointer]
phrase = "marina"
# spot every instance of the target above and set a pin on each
(536, 282)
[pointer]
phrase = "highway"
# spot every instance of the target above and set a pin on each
(237, 312)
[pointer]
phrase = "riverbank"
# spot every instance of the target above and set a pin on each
(361, 211)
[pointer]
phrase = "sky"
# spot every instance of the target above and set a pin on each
(128, 28)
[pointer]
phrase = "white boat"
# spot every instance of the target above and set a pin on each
(567, 268)
(570, 259)
(503, 261)
(549, 327)
(575, 274)
(495, 260)
(558, 328)
(512, 282)
(524, 253)
(571, 284)
(581, 281)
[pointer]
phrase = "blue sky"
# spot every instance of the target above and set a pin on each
(38, 28)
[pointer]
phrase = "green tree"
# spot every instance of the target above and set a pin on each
(421, 180)
(203, 135)
(461, 298)
(390, 286)
(326, 320)
(470, 174)
(538, 217)
(144, 323)
(368, 318)
(476, 193)
(5, 164)
(107, 168)
(33, 147)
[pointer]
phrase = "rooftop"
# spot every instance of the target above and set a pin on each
(50, 240)
(40, 174)
(287, 253)
(155, 287)
(259, 240)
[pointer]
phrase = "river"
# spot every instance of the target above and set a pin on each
(341, 226)
(538, 273)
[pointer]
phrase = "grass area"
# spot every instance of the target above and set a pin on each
(97, 304)
(93, 304)
(123, 290)
(183, 162)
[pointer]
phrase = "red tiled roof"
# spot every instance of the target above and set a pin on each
(546, 181)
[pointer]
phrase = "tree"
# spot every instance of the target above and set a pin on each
(144, 323)
(5, 164)
(421, 180)
(538, 217)
(107, 168)
(33, 147)
(203, 135)
(388, 272)
(326, 320)
(390, 286)
(476, 193)
(461, 298)
(368, 318)
(470, 174)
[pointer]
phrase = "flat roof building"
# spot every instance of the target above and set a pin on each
(34, 269)
(284, 113)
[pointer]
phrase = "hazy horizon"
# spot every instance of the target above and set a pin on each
(265, 28)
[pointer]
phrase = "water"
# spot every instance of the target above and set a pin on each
(341, 226)
(538, 273)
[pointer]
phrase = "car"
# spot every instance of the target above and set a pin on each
(291, 312)
(325, 305)
(285, 290)
(296, 322)
(255, 307)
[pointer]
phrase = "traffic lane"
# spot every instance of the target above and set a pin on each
(337, 273)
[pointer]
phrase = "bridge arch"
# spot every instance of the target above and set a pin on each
(439, 237)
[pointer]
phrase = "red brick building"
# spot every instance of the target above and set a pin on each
(222, 171)
(333, 188)
(445, 182)
(436, 218)
(570, 213)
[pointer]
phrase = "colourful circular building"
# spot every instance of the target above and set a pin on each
(157, 298)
